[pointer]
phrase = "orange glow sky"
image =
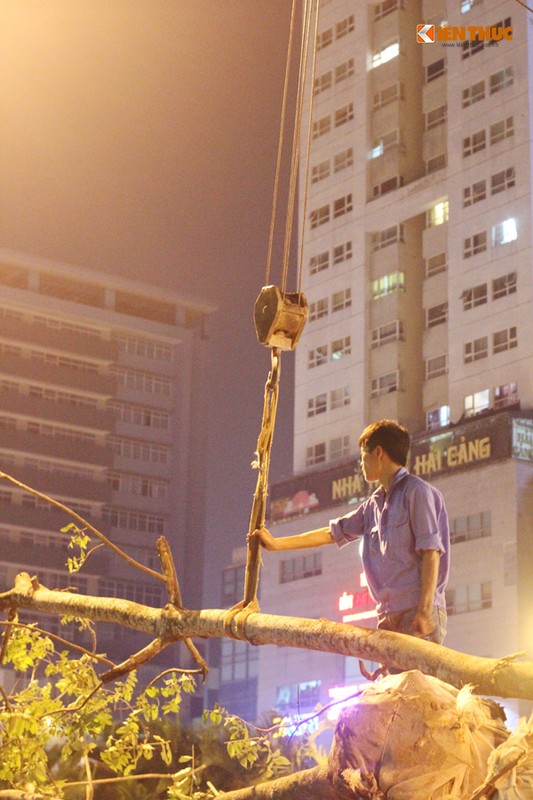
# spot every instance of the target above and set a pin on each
(139, 137)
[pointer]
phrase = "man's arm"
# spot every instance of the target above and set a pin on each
(315, 538)
(423, 622)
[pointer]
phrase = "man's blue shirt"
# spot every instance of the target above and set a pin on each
(396, 526)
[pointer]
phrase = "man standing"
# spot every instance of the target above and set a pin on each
(406, 540)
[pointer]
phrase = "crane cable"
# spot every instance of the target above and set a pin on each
(234, 621)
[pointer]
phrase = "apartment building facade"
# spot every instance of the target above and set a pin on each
(102, 409)
(418, 273)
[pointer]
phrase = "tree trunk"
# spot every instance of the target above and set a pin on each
(494, 677)
(311, 784)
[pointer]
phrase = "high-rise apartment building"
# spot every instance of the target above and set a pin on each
(101, 407)
(418, 270)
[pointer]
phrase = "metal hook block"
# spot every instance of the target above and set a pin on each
(280, 318)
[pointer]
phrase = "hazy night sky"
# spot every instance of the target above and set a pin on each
(139, 137)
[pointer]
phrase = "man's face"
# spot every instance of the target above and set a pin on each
(371, 464)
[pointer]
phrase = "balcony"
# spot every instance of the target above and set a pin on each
(56, 447)
(58, 485)
(75, 344)
(42, 519)
(15, 367)
(56, 411)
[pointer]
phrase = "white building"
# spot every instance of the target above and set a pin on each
(102, 408)
(418, 272)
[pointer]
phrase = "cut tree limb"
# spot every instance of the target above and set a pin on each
(503, 677)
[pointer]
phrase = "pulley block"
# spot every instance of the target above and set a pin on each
(280, 317)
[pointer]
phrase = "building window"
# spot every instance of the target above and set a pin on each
(341, 300)
(387, 284)
(341, 347)
(435, 264)
(389, 236)
(466, 5)
(474, 597)
(475, 244)
(345, 26)
(317, 356)
(318, 309)
(436, 163)
(435, 70)
(504, 340)
(386, 54)
(503, 180)
(342, 252)
(436, 315)
(501, 130)
(504, 232)
(437, 214)
(474, 143)
(343, 114)
(344, 70)
(475, 193)
(392, 331)
(503, 286)
(474, 94)
(319, 263)
(320, 216)
(385, 384)
(436, 366)
(343, 160)
(320, 171)
(476, 296)
(477, 402)
(476, 350)
(386, 142)
(386, 7)
(294, 569)
(339, 398)
(387, 186)
(388, 95)
(317, 405)
(321, 126)
(438, 418)
(324, 39)
(435, 117)
(339, 447)
(501, 80)
(323, 82)
(505, 395)
(472, 526)
(316, 454)
(343, 205)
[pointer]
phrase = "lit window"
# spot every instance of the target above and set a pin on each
(466, 5)
(477, 402)
(387, 284)
(504, 232)
(341, 347)
(438, 417)
(438, 214)
(387, 54)
(476, 350)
